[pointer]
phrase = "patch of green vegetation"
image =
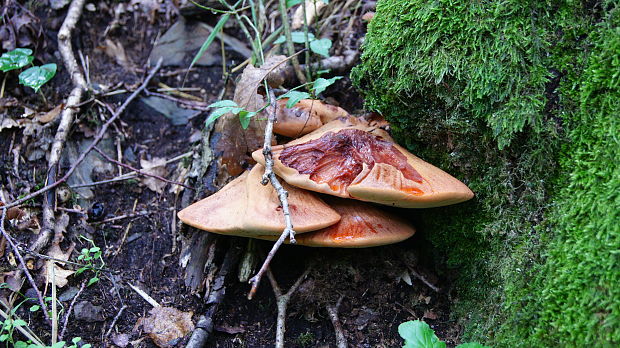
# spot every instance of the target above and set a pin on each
(520, 101)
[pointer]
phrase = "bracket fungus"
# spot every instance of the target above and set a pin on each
(244, 207)
(304, 117)
(361, 225)
(351, 159)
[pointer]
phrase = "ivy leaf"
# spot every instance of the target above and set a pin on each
(298, 37)
(418, 334)
(217, 113)
(244, 118)
(222, 103)
(15, 59)
(321, 46)
(321, 84)
(291, 3)
(37, 76)
(294, 97)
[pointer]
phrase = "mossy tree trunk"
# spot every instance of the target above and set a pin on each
(521, 100)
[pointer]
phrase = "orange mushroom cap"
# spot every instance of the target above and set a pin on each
(362, 225)
(304, 117)
(245, 207)
(350, 159)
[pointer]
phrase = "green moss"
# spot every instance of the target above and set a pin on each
(520, 100)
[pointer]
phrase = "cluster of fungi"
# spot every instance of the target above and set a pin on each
(333, 173)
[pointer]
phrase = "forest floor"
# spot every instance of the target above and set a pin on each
(133, 221)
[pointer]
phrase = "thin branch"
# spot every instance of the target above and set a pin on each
(68, 113)
(270, 176)
(96, 141)
(118, 315)
(138, 171)
(332, 311)
(66, 321)
(23, 263)
(282, 301)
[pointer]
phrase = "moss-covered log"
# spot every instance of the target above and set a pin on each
(521, 100)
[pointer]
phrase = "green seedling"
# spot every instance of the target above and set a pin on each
(15, 59)
(417, 334)
(318, 46)
(93, 259)
(34, 77)
(37, 76)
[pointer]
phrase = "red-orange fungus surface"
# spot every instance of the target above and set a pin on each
(350, 228)
(338, 158)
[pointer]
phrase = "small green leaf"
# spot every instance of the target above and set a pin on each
(418, 334)
(321, 46)
(15, 59)
(94, 249)
(81, 270)
(19, 322)
(217, 113)
(245, 117)
(291, 3)
(37, 76)
(294, 97)
(76, 340)
(222, 103)
(87, 345)
(21, 344)
(297, 37)
(59, 344)
(4, 337)
(35, 308)
(92, 281)
(321, 84)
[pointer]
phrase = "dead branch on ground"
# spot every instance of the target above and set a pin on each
(68, 114)
(270, 176)
(332, 311)
(204, 326)
(23, 264)
(282, 301)
(96, 141)
(66, 321)
(138, 171)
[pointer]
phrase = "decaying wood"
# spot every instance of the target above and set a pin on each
(204, 326)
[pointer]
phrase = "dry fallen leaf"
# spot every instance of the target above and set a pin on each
(51, 115)
(313, 7)
(430, 315)
(156, 166)
(166, 325)
(116, 51)
(60, 274)
(235, 143)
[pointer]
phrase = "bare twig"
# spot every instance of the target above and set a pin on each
(270, 176)
(423, 279)
(95, 183)
(66, 321)
(118, 315)
(68, 113)
(23, 263)
(138, 171)
(96, 141)
(282, 301)
(341, 340)
(145, 296)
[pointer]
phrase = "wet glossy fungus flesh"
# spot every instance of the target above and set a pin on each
(337, 158)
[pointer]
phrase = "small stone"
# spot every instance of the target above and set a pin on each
(88, 312)
(68, 294)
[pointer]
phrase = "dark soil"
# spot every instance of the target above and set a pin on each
(375, 300)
